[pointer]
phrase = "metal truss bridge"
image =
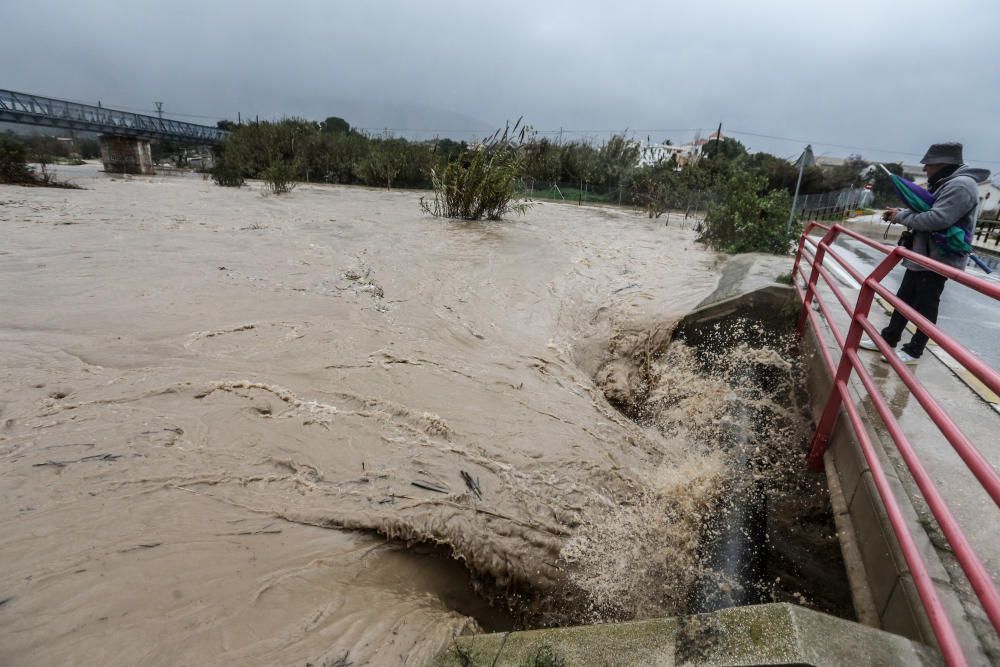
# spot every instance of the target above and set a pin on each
(35, 110)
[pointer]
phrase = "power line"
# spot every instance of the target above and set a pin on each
(746, 133)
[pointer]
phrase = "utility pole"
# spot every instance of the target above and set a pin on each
(159, 109)
(807, 156)
(718, 138)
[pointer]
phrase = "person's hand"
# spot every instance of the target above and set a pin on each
(890, 214)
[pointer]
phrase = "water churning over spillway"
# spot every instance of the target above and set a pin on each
(729, 515)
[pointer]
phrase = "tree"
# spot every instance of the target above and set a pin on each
(384, 162)
(780, 174)
(89, 149)
(749, 218)
(882, 188)
(14, 161)
(335, 125)
(655, 188)
(848, 174)
(273, 151)
(616, 161)
(727, 149)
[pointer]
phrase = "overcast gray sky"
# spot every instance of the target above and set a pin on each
(880, 77)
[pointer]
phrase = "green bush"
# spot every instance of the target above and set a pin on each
(481, 182)
(280, 177)
(14, 167)
(749, 218)
(227, 174)
(89, 149)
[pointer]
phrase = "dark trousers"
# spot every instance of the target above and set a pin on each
(921, 290)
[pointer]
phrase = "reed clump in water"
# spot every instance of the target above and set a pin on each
(480, 183)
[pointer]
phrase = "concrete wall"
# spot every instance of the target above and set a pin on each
(126, 155)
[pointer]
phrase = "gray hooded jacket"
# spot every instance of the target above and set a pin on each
(956, 200)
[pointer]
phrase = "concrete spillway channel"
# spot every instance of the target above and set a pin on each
(776, 589)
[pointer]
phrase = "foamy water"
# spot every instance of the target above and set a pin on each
(734, 415)
(216, 407)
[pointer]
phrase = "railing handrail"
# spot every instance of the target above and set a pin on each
(850, 362)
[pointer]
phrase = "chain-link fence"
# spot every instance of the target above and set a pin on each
(582, 192)
(839, 204)
(690, 206)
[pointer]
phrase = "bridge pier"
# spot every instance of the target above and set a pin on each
(126, 155)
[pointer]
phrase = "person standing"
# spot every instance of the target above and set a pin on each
(956, 199)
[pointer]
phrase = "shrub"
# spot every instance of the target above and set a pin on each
(749, 218)
(227, 174)
(384, 162)
(280, 177)
(89, 149)
(481, 182)
(14, 167)
(14, 162)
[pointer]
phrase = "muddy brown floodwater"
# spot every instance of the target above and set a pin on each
(217, 406)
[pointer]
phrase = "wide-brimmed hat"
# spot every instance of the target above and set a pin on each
(947, 153)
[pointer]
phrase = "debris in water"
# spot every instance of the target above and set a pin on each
(430, 486)
(473, 484)
(95, 457)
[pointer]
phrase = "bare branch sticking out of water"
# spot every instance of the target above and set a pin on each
(430, 486)
(472, 484)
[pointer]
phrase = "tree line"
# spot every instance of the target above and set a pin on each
(330, 151)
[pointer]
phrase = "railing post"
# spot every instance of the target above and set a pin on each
(807, 298)
(824, 429)
(801, 245)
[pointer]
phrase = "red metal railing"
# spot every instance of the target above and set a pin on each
(850, 363)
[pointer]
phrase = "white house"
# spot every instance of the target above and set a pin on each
(650, 154)
(989, 198)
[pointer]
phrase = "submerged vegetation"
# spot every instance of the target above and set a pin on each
(480, 182)
(15, 169)
(739, 200)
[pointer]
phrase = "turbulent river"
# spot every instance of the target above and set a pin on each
(239, 429)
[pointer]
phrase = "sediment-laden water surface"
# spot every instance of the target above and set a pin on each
(216, 407)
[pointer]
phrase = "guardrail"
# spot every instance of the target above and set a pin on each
(849, 363)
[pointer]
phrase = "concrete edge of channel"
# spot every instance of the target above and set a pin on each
(769, 634)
